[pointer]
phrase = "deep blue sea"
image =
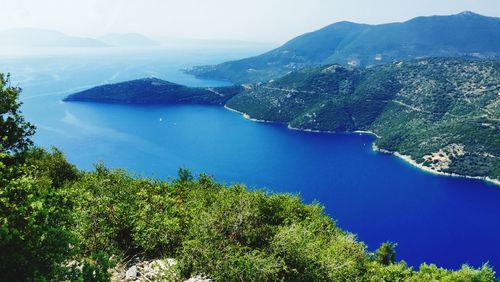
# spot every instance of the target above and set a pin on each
(379, 197)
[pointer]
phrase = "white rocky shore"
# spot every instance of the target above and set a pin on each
(247, 116)
(411, 161)
(163, 270)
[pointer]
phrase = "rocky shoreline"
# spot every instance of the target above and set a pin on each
(247, 116)
(412, 162)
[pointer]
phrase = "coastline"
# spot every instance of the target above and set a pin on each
(366, 132)
(405, 158)
(247, 116)
(309, 130)
(412, 162)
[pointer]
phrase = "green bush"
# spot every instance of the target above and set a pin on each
(35, 229)
(104, 211)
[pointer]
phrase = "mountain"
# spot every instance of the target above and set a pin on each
(33, 37)
(346, 43)
(154, 91)
(441, 114)
(128, 40)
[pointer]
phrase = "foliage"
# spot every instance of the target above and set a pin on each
(105, 202)
(36, 221)
(53, 165)
(466, 273)
(231, 233)
(95, 268)
(386, 253)
(36, 218)
(15, 131)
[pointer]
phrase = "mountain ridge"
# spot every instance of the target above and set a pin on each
(346, 43)
(36, 37)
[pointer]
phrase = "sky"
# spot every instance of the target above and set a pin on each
(250, 20)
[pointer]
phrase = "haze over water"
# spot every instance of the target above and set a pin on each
(434, 219)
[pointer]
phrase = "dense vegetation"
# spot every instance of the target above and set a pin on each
(155, 91)
(443, 113)
(346, 43)
(59, 223)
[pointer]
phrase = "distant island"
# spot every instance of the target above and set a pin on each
(155, 91)
(465, 34)
(440, 114)
(44, 38)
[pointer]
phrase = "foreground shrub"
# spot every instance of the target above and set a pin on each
(35, 229)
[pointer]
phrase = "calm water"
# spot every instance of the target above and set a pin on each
(434, 219)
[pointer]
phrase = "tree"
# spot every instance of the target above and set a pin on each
(386, 253)
(36, 239)
(184, 174)
(14, 130)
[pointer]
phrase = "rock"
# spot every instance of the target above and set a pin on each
(199, 278)
(161, 270)
(155, 270)
(75, 265)
(131, 273)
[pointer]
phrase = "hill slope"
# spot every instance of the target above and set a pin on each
(346, 43)
(443, 113)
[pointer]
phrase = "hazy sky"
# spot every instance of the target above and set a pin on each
(254, 20)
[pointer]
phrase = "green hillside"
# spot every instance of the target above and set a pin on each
(443, 113)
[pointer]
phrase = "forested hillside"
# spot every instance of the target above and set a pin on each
(443, 113)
